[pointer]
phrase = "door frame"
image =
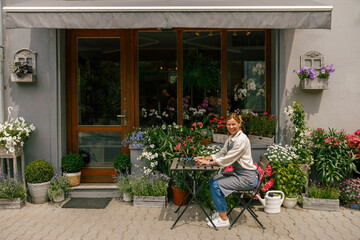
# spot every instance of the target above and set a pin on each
(128, 84)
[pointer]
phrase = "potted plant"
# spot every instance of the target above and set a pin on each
(286, 173)
(38, 175)
(350, 192)
(321, 197)
(260, 128)
(14, 133)
(12, 193)
(58, 188)
(150, 191)
(71, 165)
(310, 80)
(136, 141)
(124, 184)
(220, 132)
(122, 163)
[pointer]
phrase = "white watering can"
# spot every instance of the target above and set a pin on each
(272, 201)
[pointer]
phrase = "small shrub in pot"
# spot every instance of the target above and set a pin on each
(72, 163)
(39, 171)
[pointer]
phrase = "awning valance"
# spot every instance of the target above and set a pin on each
(135, 14)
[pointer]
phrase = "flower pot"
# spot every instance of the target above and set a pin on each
(261, 140)
(179, 195)
(290, 202)
(127, 197)
(150, 201)
(59, 198)
(39, 192)
(314, 84)
(137, 166)
(16, 203)
(320, 203)
(220, 138)
(73, 178)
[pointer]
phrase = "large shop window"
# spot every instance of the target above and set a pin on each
(203, 56)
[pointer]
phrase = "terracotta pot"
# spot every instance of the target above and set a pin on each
(179, 195)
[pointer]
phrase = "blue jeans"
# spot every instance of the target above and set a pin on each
(217, 196)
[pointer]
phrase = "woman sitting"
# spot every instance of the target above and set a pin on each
(236, 152)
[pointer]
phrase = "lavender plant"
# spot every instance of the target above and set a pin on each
(11, 188)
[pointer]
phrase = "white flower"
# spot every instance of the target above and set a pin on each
(152, 145)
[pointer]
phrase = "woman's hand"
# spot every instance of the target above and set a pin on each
(203, 160)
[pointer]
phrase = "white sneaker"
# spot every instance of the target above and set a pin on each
(214, 215)
(219, 223)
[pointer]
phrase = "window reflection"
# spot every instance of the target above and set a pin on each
(201, 76)
(157, 78)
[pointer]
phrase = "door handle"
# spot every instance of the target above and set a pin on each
(123, 116)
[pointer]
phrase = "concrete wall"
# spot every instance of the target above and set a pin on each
(337, 107)
(40, 102)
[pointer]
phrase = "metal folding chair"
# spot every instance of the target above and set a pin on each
(247, 204)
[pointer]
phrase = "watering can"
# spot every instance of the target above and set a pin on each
(272, 201)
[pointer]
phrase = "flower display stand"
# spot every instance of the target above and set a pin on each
(150, 201)
(261, 140)
(314, 84)
(16, 203)
(320, 204)
(220, 138)
(19, 152)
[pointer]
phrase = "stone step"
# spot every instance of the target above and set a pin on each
(95, 190)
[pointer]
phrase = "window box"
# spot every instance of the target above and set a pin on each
(261, 140)
(320, 203)
(16, 203)
(150, 201)
(314, 84)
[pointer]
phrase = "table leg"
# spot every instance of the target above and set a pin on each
(15, 167)
(1, 165)
(8, 167)
(187, 195)
(23, 170)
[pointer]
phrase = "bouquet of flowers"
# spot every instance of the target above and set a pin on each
(14, 133)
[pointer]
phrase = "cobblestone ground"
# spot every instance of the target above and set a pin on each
(121, 220)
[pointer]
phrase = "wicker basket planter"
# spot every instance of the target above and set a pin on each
(73, 178)
(220, 138)
(320, 204)
(16, 203)
(261, 140)
(39, 192)
(59, 199)
(150, 201)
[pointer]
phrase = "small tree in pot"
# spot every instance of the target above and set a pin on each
(38, 175)
(71, 165)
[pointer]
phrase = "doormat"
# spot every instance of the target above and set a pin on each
(87, 203)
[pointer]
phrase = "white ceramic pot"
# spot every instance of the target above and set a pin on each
(290, 202)
(39, 192)
(73, 178)
(127, 198)
(59, 198)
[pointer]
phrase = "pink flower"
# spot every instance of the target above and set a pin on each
(229, 168)
(328, 139)
(268, 171)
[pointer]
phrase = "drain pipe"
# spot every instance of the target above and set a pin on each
(2, 99)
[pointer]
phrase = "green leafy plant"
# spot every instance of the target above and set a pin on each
(261, 125)
(124, 184)
(316, 190)
(39, 171)
(11, 188)
(72, 163)
(122, 162)
(333, 157)
(58, 186)
(301, 134)
(288, 177)
(150, 185)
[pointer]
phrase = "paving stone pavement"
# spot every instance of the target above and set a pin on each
(120, 220)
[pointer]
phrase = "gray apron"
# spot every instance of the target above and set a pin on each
(238, 179)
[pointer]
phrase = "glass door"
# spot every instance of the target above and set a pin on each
(99, 101)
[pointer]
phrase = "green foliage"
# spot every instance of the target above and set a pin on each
(58, 186)
(122, 162)
(324, 192)
(72, 163)
(11, 188)
(124, 184)
(39, 171)
(152, 185)
(301, 138)
(261, 125)
(333, 157)
(288, 177)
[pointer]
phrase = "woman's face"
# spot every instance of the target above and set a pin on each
(233, 126)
